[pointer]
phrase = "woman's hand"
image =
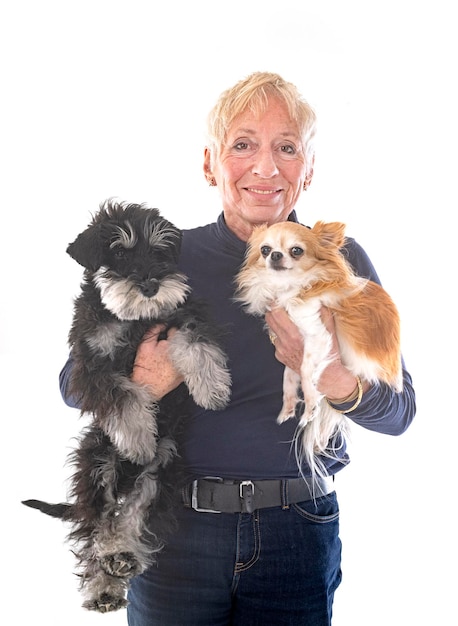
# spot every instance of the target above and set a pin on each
(286, 337)
(153, 367)
(336, 381)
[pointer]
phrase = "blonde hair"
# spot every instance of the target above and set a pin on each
(252, 93)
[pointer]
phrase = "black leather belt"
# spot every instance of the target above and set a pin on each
(218, 495)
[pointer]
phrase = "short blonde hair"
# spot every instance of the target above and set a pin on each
(252, 93)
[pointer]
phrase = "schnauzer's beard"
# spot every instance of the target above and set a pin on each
(125, 300)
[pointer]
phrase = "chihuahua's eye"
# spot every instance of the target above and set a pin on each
(265, 251)
(296, 252)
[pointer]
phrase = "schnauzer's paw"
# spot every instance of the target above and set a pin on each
(211, 390)
(121, 564)
(106, 603)
(214, 395)
(140, 448)
(204, 369)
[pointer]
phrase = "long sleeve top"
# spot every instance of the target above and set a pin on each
(244, 441)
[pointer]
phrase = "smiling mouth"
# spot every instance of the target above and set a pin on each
(263, 192)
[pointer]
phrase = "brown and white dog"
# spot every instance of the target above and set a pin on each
(302, 269)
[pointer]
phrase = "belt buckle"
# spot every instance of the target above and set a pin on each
(194, 497)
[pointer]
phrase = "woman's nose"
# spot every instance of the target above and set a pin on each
(264, 163)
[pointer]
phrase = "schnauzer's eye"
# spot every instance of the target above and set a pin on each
(265, 251)
(296, 252)
(119, 252)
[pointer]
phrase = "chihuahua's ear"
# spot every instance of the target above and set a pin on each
(87, 249)
(330, 233)
(257, 233)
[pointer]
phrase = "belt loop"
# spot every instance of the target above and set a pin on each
(246, 494)
(185, 496)
(284, 495)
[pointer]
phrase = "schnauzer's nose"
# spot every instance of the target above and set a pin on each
(276, 256)
(149, 287)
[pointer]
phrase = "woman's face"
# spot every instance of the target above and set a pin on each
(261, 169)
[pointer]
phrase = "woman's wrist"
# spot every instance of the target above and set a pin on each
(348, 398)
(337, 383)
(355, 398)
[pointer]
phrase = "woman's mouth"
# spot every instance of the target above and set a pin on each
(262, 192)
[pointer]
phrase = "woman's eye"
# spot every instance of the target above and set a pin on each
(288, 149)
(241, 145)
(296, 251)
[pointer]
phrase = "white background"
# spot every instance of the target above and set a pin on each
(109, 98)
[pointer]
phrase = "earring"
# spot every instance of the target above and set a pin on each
(212, 182)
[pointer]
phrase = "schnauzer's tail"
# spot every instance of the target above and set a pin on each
(61, 510)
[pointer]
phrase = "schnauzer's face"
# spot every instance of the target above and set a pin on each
(132, 255)
(144, 252)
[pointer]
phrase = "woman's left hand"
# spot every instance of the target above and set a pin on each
(286, 338)
(336, 381)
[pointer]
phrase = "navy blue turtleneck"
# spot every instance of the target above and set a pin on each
(244, 440)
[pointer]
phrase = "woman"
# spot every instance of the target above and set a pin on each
(272, 556)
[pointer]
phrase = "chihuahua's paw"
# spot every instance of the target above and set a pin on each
(286, 414)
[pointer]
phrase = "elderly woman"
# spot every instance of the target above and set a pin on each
(253, 545)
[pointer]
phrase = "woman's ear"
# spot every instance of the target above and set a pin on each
(208, 168)
(309, 176)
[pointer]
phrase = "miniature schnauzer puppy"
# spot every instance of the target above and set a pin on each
(123, 485)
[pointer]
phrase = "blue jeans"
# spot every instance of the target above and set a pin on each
(272, 567)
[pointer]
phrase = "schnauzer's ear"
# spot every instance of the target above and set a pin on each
(87, 249)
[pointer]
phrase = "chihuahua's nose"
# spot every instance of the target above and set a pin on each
(149, 287)
(276, 256)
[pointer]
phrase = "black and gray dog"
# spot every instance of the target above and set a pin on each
(123, 487)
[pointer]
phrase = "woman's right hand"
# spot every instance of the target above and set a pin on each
(153, 366)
